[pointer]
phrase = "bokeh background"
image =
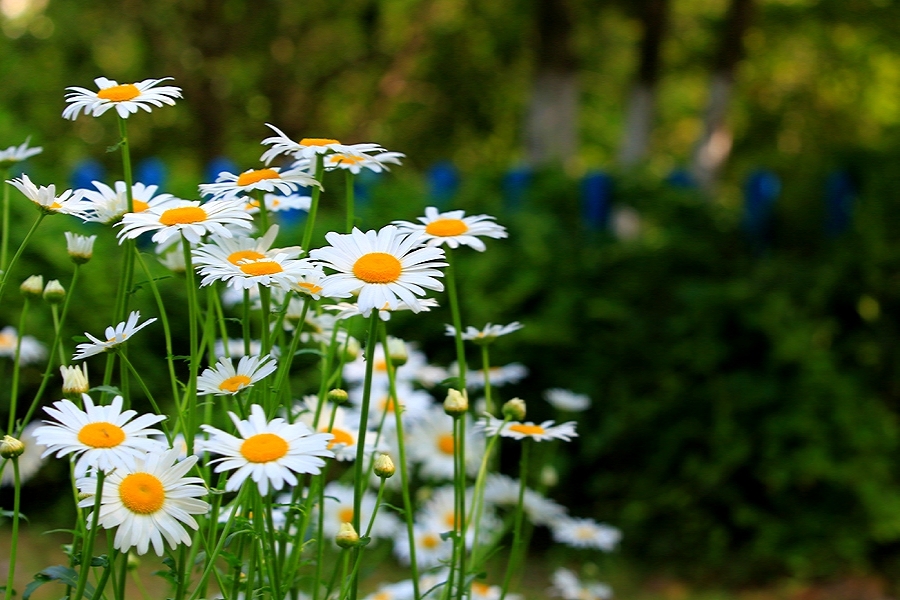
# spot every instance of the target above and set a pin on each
(701, 197)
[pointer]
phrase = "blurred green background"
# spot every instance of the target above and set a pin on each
(718, 271)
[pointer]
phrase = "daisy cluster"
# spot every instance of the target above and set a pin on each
(232, 453)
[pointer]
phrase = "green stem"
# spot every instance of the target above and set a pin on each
(194, 363)
(18, 253)
(87, 551)
(146, 390)
(4, 232)
(478, 495)
(54, 312)
(314, 204)
(515, 553)
(15, 530)
(460, 518)
(486, 369)
(14, 391)
(457, 320)
(212, 556)
(351, 200)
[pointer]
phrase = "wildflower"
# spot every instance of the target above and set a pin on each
(80, 247)
(502, 490)
(75, 381)
(566, 585)
(114, 337)
(397, 351)
(357, 161)
(309, 147)
(30, 350)
(229, 185)
(149, 502)
(268, 452)
(338, 511)
(561, 399)
(187, 218)
(46, 200)
(224, 379)
(280, 203)
(244, 262)
(383, 267)
(431, 549)
(345, 310)
(453, 228)
(126, 98)
(30, 460)
(384, 466)
(107, 205)
(344, 431)
(585, 533)
(105, 437)
(486, 335)
(54, 292)
(519, 430)
(33, 286)
(15, 154)
(502, 375)
(431, 444)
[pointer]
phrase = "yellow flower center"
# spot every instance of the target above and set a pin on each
(236, 257)
(317, 141)
(450, 520)
(101, 435)
(119, 93)
(446, 444)
(258, 175)
(340, 437)
(261, 267)
(480, 588)
(380, 366)
(264, 447)
(7, 340)
(139, 205)
(309, 288)
(233, 384)
(251, 205)
(388, 404)
(183, 216)
(346, 159)
(55, 206)
(527, 429)
(142, 493)
(346, 515)
(377, 267)
(446, 227)
(430, 541)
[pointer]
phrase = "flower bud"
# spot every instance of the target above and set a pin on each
(54, 292)
(456, 403)
(347, 537)
(33, 286)
(549, 476)
(75, 381)
(397, 351)
(384, 466)
(514, 409)
(10, 447)
(80, 247)
(338, 396)
(351, 349)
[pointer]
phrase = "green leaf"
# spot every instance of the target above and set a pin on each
(115, 146)
(59, 573)
(107, 389)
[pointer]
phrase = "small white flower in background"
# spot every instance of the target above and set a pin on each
(107, 205)
(45, 198)
(357, 161)
(585, 533)
(224, 379)
(31, 351)
(513, 429)
(228, 185)
(483, 591)
(338, 509)
(173, 260)
(190, 219)
(126, 98)
(486, 335)
(502, 490)
(105, 437)
(280, 203)
(268, 452)
(400, 590)
(453, 228)
(431, 549)
(75, 381)
(114, 336)
(149, 502)
(344, 429)
(15, 154)
(30, 461)
(430, 443)
(503, 375)
(385, 268)
(566, 585)
(566, 400)
(345, 310)
(80, 247)
(308, 148)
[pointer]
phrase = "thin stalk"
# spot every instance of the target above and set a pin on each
(15, 529)
(351, 200)
(457, 319)
(313, 205)
(14, 392)
(212, 556)
(87, 551)
(54, 312)
(478, 495)
(191, 404)
(515, 552)
(460, 519)
(147, 393)
(18, 253)
(486, 369)
(4, 232)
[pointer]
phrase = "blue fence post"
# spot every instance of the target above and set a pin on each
(216, 166)
(515, 186)
(761, 190)
(152, 171)
(596, 199)
(840, 192)
(443, 183)
(86, 171)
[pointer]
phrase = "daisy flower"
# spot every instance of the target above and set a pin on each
(114, 336)
(107, 205)
(517, 430)
(31, 351)
(357, 161)
(149, 502)
(561, 399)
(454, 229)
(224, 379)
(15, 154)
(105, 437)
(229, 185)
(384, 267)
(486, 335)
(308, 147)
(80, 247)
(502, 490)
(268, 452)
(585, 533)
(280, 203)
(30, 461)
(45, 198)
(566, 585)
(431, 443)
(338, 509)
(503, 375)
(126, 98)
(344, 429)
(276, 271)
(345, 310)
(431, 549)
(188, 218)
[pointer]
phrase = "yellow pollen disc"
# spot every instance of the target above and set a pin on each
(377, 267)
(101, 435)
(387, 403)
(308, 287)
(445, 443)
(7, 341)
(264, 447)
(527, 429)
(251, 205)
(317, 141)
(233, 384)
(446, 227)
(257, 175)
(340, 437)
(119, 93)
(339, 159)
(480, 588)
(236, 257)
(346, 515)
(183, 216)
(142, 493)
(139, 205)
(55, 206)
(380, 365)
(262, 267)
(450, 520)
(430, 541)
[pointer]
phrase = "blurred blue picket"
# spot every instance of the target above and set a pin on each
(515, 185)
(152, 171)
(596, 199)
(761, 190)
(840, 192)
(443, 183)
(85, 171)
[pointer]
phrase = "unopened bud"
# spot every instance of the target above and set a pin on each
(514, 409)
(456, 403)
(33, 286)
(397, 351)
(54, 292)
(549, 476)
(347, 537)
(133, 562)
(80, 247)
(75, 381)
(10, 447)
(338, 396)
(351, 349)
(384, 466)
(84, 496)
